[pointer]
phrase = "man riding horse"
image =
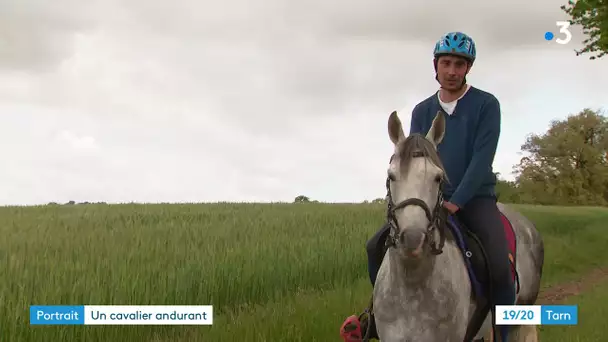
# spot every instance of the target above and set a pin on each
(467, 151)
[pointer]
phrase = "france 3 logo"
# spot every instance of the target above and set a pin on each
(564, 29)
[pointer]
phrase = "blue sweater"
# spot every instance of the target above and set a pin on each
(469, 144)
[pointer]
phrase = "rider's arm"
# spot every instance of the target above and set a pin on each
(485, 144)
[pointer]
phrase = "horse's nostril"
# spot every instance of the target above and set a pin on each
(411, 239)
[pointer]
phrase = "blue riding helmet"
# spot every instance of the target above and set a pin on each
(457, 44)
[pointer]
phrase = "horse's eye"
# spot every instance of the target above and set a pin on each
(391, 176)
(438, 179)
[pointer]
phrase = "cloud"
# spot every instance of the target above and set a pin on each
(239, 100)
(36, 35)
(78, 142)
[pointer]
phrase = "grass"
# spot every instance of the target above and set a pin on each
(592, 313)
(272, 271)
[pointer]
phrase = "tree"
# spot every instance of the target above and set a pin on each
(301, 199)
(568, 164)
(506, 191)
(592, 15)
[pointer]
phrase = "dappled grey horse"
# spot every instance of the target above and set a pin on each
(428, 296)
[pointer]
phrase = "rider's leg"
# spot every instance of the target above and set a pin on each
(482, 216)
(375, 253)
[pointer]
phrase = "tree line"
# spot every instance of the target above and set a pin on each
(567, 165)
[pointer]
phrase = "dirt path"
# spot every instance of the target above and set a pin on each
(557, 293)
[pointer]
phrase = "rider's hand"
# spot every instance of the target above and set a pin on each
(451, 207)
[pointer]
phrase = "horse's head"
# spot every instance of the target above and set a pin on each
(415, 203)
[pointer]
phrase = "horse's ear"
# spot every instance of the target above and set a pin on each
(437, 131)
(395, 129)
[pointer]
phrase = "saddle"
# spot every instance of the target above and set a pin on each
(479, 272)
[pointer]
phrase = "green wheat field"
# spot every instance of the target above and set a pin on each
(273, 272)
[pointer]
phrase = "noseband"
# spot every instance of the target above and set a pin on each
(437, 218)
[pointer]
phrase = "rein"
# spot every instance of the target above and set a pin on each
(437, 217)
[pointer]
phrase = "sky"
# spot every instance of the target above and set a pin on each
(237, 100)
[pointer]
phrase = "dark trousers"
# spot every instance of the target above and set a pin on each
(482, 217)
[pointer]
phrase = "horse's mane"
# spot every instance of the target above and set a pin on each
(416, 145)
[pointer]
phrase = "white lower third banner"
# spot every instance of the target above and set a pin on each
(121, 315)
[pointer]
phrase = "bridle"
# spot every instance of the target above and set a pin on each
(437, 218)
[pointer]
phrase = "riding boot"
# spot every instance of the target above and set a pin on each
(504, 333)
(506, 295)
